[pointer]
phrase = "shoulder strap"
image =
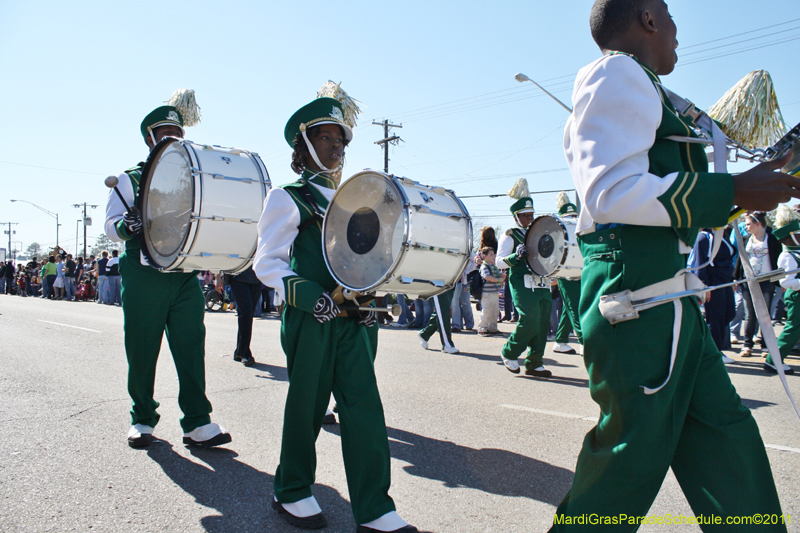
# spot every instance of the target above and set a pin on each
(308, 197)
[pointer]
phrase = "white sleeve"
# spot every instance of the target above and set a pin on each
(787, 262)
(114, 207)
(617, 111)
(277, 230)
(505, 247)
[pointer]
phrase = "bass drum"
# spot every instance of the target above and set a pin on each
(553, 250)
(200, 206)
(394, 235)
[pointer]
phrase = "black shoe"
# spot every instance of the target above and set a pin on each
(316, 521)
(143, 441)
(248, 361)
(538, 373)
(456, 330)
(237, 358)
(335, 408)
(408, 529)
(771, 369)
(330, 418)
(218, 440)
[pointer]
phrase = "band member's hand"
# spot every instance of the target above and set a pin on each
(522, 251)
(325, 308)
(762, 189)
(133, 222)
(368, 318)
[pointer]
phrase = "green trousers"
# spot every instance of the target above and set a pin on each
(530, 334)
(336, 357)
(791, 332)
(154, 303)
(696, 424)
(435, 324)
(570, 297)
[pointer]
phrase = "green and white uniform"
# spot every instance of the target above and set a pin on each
(336, 356)
(789, 260)
(531, 295)
(644, 198)
(154, 303)
(570, 290)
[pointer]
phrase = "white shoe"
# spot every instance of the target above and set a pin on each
(772, 369)
(391, 521)
(564, 348)
(511, 364)
(449, 349)
(734, 340)
(727, 360)
(140, 436)
(207, 436)
(422, 341)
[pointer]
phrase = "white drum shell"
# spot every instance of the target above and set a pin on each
(229, 187)
(424, 243)
(565, 261)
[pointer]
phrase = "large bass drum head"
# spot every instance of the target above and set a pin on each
(167, 198)
(545, 242)
(364, 230)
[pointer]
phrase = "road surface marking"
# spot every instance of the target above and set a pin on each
(551, 413)
(68, 326)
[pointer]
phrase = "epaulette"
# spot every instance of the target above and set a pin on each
(509, 232)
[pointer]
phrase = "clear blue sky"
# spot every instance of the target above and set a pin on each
(77, 79)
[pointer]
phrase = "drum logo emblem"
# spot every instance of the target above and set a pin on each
(226, 159)
(173, 116)
(425, 197)
(337, 114)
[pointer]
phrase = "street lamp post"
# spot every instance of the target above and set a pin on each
(54, 215)
(522, 77)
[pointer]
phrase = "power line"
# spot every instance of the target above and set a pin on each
(739, 34)
(738, 51)
(740, 42)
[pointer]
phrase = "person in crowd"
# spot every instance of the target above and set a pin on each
(102, 278)
(2, 277)
(245, 290)
(327, 350)
(665, 397)
(50, 275)
(156, 303)
(763, 249)
(719, 305)
(114, 279)
(493, 282)
(59, 283)
(69, 278)
(33, 266)
(406, 318)
(8, 277)
(462, 309)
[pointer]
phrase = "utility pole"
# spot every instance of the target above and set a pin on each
(86, 222)
(394, 139)
(9, 232)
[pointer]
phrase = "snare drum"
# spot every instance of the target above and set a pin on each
(553, 249)
(200, 205)
(392, 234)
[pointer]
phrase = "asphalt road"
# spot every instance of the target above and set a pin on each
(474, 448)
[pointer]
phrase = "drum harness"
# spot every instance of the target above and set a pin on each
(625, 305)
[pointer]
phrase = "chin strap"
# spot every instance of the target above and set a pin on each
(314, 156)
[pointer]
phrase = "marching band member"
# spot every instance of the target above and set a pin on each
(531, 295)
(325, 352)
(665, 397)
(570, 290)
(787, 231)
(154, 303)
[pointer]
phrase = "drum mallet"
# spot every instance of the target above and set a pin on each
(111, 183)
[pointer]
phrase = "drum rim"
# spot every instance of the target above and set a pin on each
(391, 178)
(563, 252)
(159, 148)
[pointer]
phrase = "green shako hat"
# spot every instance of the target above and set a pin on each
(332, 106)
(320, 111)
(166, 115)
(181, 110)
(523, 205)
(786, 222)
(568, 209)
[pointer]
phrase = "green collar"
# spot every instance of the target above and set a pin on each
(318, 178)
(647, 69)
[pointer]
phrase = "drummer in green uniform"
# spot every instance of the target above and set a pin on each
(154, 303)
(530, 292)
(570, 290)
(326, 350)
(665, 397)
